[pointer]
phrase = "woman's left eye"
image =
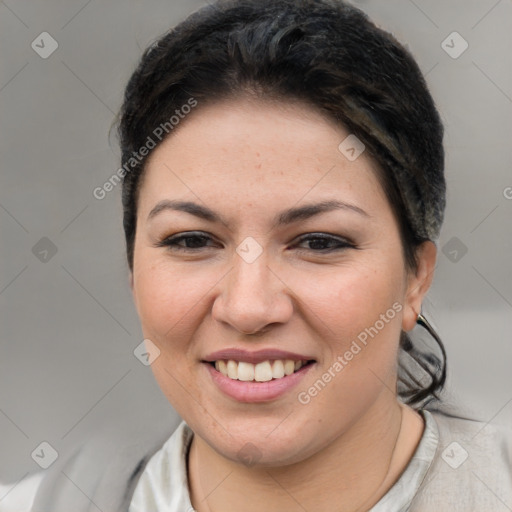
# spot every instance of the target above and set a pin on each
(194, 242)
(324, 241)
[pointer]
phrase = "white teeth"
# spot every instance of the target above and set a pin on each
(261, 372)
(222, 367)
(245, 371)
(277, 369)
(289, 367)
(232, 368)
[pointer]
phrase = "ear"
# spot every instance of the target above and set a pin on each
(419, 283)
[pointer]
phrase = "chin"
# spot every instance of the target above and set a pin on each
(265, 443)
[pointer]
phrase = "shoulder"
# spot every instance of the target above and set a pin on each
(19, 496)
(481, 440)
(103, 470)
(472, 467)
(164, 480)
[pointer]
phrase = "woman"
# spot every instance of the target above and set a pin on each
(283, 191)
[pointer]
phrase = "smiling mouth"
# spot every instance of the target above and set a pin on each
(262, 372)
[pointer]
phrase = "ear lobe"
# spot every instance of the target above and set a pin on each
(419, 284)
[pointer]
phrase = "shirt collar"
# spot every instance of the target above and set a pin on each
(164, 484)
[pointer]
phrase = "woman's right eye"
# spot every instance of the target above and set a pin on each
(173, 242)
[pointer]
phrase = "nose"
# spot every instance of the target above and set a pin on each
(252, 297)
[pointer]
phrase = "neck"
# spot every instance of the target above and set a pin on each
(351, 474)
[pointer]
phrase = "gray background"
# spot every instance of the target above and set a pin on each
(68, 325)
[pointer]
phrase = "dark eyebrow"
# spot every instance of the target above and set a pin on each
(283, 218)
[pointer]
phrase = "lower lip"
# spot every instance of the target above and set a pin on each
(256, 391)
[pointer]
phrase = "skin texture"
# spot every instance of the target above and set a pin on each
(248, 160)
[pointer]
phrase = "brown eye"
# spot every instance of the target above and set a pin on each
(185, 242)
(321, 242)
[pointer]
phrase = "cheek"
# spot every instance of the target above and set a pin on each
(165, 299)
(358, 312)
(349, 299)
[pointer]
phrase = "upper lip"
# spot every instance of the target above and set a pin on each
(255, 357)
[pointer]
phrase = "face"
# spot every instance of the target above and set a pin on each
(251, 276)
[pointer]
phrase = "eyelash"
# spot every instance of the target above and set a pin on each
(172, 242)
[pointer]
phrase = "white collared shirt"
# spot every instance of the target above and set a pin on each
(458, 465)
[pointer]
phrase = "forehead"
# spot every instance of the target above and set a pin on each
(241, 153)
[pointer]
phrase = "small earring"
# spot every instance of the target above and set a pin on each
(421, 320)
